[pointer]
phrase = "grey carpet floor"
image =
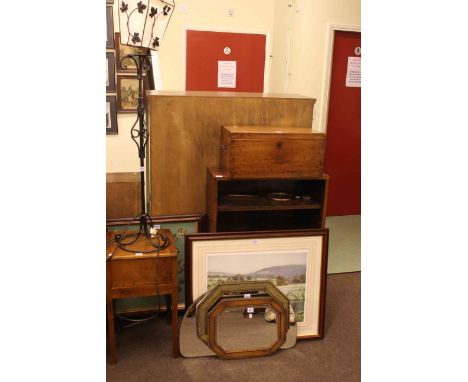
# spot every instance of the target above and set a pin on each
(344, 247)
(144, 351)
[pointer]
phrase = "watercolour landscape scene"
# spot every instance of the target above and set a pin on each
(286, 271)
(129, 93)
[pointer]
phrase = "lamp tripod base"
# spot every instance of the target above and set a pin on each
(155, 241)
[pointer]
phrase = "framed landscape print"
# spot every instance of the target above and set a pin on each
(124, 50)
(294, 261)
(127, 93)
(110, 28)
(110, 72)
(111, 115)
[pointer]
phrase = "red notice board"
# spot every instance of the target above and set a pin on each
(243, 51)
(343, 148)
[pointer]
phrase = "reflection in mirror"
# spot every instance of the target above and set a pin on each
(243, 328)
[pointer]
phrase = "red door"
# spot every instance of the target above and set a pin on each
(240, 57)
(343, 147)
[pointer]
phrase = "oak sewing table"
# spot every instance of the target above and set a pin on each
(138, 275)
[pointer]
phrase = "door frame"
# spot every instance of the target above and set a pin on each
(268, 56)
(330, 40)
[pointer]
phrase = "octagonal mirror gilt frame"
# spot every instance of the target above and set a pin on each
(281, 322)
(252, 289)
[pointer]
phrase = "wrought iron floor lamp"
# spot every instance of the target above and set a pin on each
(142, 25)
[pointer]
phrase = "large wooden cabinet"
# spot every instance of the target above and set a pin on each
(185, 138)
(247, 204)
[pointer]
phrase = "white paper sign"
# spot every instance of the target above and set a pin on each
(353, 74)
(227, 74)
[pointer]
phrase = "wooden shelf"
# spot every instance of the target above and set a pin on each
(244, 205)
(265, 204)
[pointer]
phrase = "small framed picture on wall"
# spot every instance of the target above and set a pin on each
(111, 115)
(127, 93)
(110, 28)
(123, 50)
(110, 72)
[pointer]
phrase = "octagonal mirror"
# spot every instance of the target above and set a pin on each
(231, 325)
(238, 328)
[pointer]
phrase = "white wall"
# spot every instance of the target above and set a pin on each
(307, 55)
(309, 23)
(249, 16)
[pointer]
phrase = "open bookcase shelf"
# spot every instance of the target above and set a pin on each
(247, 204)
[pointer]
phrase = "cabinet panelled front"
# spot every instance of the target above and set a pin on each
(251, 205)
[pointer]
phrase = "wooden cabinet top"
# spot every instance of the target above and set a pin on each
(141, 244)
(122, 177)
(271, 132)
(205, 94)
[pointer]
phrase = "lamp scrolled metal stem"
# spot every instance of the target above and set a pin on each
(140, 136)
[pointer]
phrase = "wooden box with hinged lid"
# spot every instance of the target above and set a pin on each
(269, 151)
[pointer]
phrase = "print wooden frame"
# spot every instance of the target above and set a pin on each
(110, 28)
(127, 93)
(121, 51)
(111, 115)
(110, 72)
(295, 261)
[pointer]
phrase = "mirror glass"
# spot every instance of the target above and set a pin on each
(243, 328)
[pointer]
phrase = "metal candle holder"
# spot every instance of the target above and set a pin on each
(139, 134)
